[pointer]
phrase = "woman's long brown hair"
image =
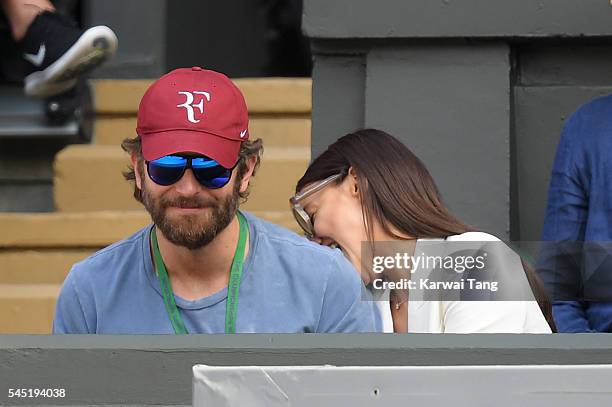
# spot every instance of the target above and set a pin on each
(397, 190)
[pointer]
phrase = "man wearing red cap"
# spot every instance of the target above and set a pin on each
(204, 266)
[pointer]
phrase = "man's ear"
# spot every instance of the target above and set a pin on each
(138, 179)
(353, 184)
(244, 183)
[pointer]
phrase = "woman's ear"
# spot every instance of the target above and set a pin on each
(354, 185)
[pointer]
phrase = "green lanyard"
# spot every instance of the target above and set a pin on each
(231, 308)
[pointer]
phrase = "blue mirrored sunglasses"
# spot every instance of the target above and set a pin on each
(169, 169)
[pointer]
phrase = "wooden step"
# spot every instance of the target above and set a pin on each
(38, 266)
(27, 308)
(74, 230)
(88, 178)
(84, 230)
(262, 95)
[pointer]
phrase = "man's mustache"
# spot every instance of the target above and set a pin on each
(187, 202)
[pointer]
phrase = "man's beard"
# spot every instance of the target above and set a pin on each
(191, 231)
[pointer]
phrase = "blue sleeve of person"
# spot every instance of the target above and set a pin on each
(346, 308)
(72, 311)
(565, 221)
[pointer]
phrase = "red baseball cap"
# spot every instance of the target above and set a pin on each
(193, 110)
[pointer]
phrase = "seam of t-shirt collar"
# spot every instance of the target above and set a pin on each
(212, 299)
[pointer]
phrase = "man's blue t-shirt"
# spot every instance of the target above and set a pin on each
(289, 285)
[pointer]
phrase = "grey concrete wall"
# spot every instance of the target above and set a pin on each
(340, 109)
(29, 140)
(227, 36)
(477, 89)
(140, 26)
(432, 97)
(236, 37)
(156, 370)
(26, 175)
(348, 19)
(552, 81)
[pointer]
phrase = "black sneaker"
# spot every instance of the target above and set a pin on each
(58, 52)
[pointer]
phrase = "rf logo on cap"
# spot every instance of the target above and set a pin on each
(189, 104)
(196, 111)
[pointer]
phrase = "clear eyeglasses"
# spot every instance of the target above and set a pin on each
(301, 217)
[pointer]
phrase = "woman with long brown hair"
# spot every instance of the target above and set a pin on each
(369, 187)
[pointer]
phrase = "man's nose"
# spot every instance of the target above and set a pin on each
(188, 185)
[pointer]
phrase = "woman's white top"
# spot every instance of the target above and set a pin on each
(468, 316)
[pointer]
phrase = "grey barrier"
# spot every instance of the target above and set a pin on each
(365, 386)
(157, 370)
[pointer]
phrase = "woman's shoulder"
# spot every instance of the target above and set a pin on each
(473, 237)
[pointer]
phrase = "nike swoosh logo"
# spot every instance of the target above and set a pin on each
(242, 133)
(38, 58)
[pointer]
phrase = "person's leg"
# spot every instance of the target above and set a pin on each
(21, 13)
(57, 52)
